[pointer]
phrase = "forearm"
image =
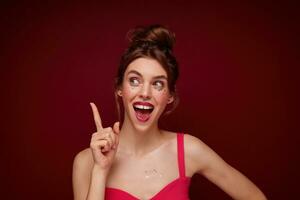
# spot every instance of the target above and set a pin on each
(258, 196)
(97, 184)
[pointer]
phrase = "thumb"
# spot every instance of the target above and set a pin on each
(116, 127)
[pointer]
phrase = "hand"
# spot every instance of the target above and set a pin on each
(104, 142)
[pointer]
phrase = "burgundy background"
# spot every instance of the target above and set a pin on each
(237, 87)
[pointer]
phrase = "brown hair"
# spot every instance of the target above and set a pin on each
(155, 42)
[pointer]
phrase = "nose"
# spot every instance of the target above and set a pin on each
(145, 92)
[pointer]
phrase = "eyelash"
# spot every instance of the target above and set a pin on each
(159, 85)
(131, 81)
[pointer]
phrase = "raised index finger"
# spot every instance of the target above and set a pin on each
(97, 117)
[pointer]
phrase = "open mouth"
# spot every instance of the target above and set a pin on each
(143, 110)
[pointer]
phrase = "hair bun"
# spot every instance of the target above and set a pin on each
(153, 34)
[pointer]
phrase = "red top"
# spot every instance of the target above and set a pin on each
(176, 190)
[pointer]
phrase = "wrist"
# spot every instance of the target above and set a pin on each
(99, 170)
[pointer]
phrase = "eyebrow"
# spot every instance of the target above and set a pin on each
(139, 74)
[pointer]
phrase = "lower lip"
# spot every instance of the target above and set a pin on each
(142, 118)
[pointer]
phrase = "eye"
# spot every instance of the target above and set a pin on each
(134, 81)
(159, 85)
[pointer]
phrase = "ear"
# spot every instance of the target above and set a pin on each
(119, 92)
(170, 100)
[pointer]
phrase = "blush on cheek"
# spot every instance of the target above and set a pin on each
(125, 92)
(162, 96)
(129, 92)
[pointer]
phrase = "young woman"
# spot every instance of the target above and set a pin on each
(141, 161)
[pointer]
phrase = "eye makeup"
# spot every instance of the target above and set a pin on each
(134, 81)
(159, 85)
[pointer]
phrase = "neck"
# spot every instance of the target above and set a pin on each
(138, 142)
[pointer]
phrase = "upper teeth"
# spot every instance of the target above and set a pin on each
(143, 107)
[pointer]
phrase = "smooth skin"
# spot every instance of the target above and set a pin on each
(116, 156)
(103, 145)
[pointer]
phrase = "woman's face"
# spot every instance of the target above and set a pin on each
(145, 92)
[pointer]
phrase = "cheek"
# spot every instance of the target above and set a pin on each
(161, 96)
(128, 92)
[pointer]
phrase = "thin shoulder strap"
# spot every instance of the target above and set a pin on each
(180, 153)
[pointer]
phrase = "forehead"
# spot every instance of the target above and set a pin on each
(146, 67)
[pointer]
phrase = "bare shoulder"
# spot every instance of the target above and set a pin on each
(197, 154)
(82, 166)
(194, 146)
(83, 160)
(200, 158)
